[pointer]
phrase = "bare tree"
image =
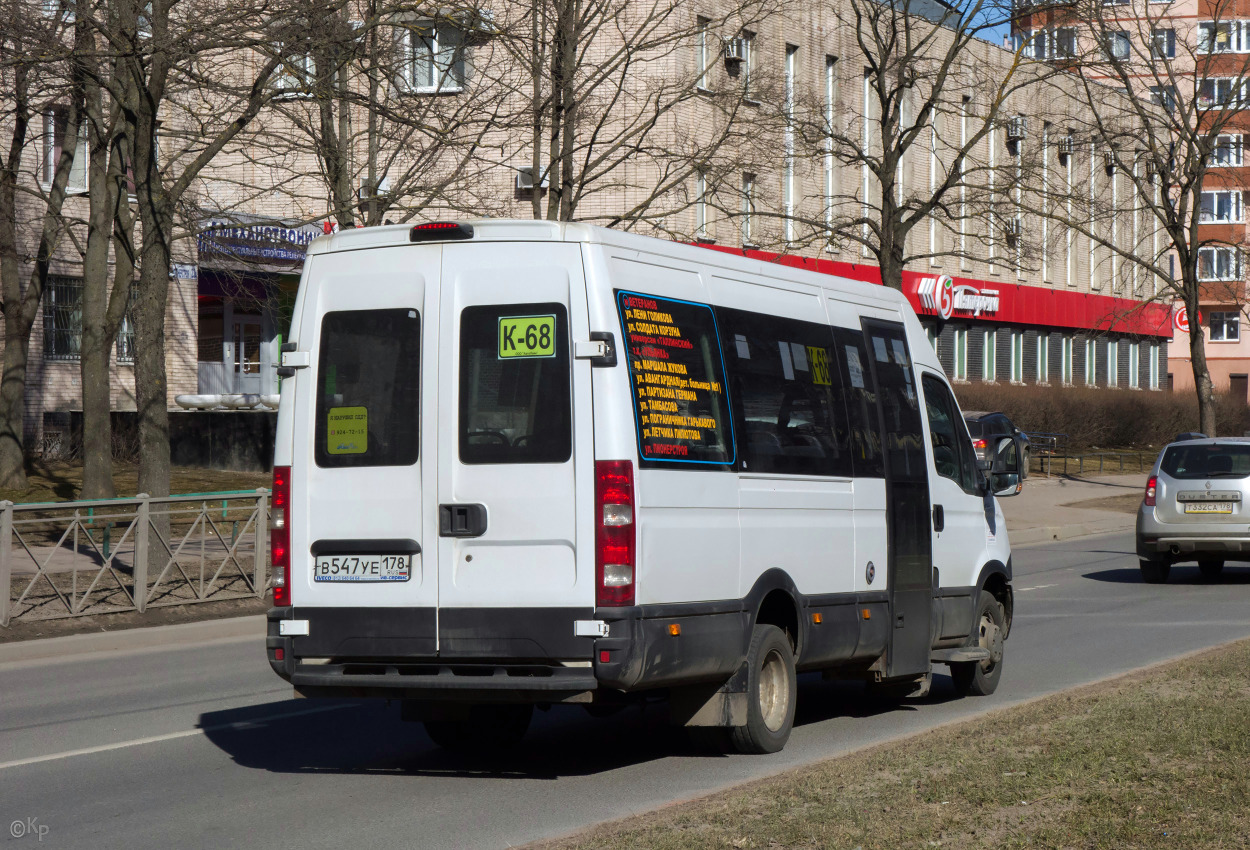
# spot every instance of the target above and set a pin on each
(932, 101)
(182, 88)
(1163, 94)
(32, 67)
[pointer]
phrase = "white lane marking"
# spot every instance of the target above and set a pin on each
(171, 736)
(1034, 587)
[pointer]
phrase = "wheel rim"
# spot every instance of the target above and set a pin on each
(990, 637)
(774, 691)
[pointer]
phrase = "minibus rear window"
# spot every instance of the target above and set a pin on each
(368, 375)
(515, 403)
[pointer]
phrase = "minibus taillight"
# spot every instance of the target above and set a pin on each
(280, 536)
(614, 532)
(1150, 490)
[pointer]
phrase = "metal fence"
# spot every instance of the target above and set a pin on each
(1049, 455)
(103, 556)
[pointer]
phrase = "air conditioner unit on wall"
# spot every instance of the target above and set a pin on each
(1012, 228)
(1108, 161)
(1016, 129)
(735, 53)
(525, 178)
(1064, 148)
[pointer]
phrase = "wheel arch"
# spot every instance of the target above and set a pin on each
(995, 578)
(774, 600)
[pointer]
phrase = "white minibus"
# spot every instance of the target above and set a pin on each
(522, 463)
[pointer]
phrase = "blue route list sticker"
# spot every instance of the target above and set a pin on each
(347, 431)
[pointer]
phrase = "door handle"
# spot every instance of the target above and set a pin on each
(939, 518)
(461, 520)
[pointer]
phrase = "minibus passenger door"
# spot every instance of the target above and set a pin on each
(907, 499)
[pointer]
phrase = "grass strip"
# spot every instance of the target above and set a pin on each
(1156, 759)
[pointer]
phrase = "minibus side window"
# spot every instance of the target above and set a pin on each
(784, 382)
(952, 447)
(860, 398)
(368, 375)
(677, 374)
(515, 401)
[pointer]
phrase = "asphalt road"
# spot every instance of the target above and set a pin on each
(203, 746)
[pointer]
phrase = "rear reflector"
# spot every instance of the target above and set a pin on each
(1151, 484)
(614, 534)
(440, 231)
(280, 536)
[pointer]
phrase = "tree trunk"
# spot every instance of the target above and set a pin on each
(1202, 373)
(95, 347)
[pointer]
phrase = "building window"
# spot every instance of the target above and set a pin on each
(1163, 44)
(1222, 207)
(1113, 363)
(1220, 91)
(1017, 357)
(1164, 96)
(831, 105)
(437, 57)
(1223, 37)
(55, 125)
(1066, 361)
(1225, 327)
(62, 322)
(1134, 364)
(988, 371)
(700, 206)
(930, 333)
(1043, 358)
(1227, 152)
(704, 42)
(1091, 363)
(787, 187)
(961, 354)
(1222, 263)
(295, 77)
(748, 61)
(1117, 45)
(1153, 357)
(748, 209)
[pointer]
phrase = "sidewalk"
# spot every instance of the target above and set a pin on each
(1041, 513)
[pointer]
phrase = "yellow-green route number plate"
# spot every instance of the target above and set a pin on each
(527, 336)
(347, 431)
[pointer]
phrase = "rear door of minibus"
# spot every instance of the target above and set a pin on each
(363, 510)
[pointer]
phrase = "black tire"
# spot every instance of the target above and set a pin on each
(1211, 567)
(1154, 572)
(483, 729)
(980, 678)
(772, 688)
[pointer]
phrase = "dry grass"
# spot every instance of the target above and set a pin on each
(1155, 760)
(61, 482)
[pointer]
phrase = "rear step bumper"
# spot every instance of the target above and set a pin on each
(471, 682)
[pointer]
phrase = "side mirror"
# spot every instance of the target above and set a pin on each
(1006, 484)
(1006, 457)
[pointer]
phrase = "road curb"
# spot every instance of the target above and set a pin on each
(142, 638)
(1051, 533)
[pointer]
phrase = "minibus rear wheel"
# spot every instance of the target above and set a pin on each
(772, 687)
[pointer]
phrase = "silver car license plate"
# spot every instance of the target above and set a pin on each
(1208, 507)
(362, 568)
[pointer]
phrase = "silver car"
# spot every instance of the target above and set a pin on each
(1196, 507)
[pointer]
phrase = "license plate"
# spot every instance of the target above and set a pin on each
(362, 568)
(1209, 508)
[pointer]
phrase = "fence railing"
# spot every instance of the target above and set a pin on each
(1049, 455)
(74, 559)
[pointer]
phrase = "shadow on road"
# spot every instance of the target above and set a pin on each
(1181, 574)
(367, 736)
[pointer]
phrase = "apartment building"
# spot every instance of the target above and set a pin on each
(766, 185)
(1195, 54)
